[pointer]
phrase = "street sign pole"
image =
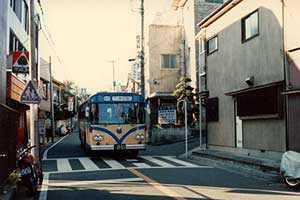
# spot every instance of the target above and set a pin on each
(34, 136)
(186, 128)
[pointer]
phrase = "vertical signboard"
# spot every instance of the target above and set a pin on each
(70, 103)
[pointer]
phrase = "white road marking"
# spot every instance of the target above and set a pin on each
(73, 183)
(179, 161)
(88, 164)
(132, 160)
(113, 163)
(45, 155)
(112, 169)
(44, 189)
(142, 165)
(63, 165)
(156, 161)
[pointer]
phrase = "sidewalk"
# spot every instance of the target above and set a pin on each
(251, 165)
(20, 193)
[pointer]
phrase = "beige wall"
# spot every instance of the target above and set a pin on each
(227, 69)
(163, 39)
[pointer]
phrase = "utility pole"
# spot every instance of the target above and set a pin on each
(142, 50)
(114, 82)
(33, 75)
(51, 102)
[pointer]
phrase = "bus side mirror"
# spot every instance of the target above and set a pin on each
(87, 112)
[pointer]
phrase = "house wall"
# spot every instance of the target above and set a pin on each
(3, 38)
(234, 61)
(163, 39)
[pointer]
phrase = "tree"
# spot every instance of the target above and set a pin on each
(184, 92)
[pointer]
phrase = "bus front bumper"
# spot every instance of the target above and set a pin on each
(112, 147)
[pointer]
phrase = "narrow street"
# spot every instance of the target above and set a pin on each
(156, 173)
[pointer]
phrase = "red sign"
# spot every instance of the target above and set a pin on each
(20, 62)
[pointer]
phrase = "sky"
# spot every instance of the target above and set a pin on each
(82, 36)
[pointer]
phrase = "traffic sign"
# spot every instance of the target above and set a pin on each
(30, 95)
(20, 62)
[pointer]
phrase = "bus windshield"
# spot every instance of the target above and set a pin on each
(117, 113)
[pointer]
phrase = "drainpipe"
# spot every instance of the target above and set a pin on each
(202, 51)
(286, 73)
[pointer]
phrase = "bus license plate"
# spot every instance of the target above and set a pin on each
(25, 171)
(120, 146)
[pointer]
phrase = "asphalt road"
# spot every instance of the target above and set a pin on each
(156, 174)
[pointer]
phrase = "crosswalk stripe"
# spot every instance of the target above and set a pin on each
(179, 161)
(113, 163)
(159, 162)
(142, 165)
(88, 164)
(63, 165)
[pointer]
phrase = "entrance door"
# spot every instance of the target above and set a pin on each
(239, 132)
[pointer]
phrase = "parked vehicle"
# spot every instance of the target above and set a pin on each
(290, 169)
(31, 173)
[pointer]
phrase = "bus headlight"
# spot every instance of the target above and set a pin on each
(140, 136)
(98, 137)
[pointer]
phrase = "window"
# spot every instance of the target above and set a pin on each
(25, 17)
(119, 113)
(16, 5)
(212, 45)
(212, 109)
(262, 102)
(214, 1)
(250, 26)
(168, 61)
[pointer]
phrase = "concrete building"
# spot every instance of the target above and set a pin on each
(190, 13)
(245, 72)
(172, 52)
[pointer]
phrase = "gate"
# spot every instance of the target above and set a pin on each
(8, 135)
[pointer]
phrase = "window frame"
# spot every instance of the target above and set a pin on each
(169, 60)
(207, 45)
(243, 26)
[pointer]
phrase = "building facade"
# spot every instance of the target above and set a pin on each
(3, 37)
(243, 69)
(190, 13)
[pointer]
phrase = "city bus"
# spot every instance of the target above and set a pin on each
(112, 121)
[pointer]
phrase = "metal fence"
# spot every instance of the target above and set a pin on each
(8, 135)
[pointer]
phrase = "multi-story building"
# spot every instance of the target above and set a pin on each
(190, 13)
(172, 52)
(14, 36)
(3, 38)
(250, 76)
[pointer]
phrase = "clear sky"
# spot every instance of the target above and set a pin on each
(89, 33)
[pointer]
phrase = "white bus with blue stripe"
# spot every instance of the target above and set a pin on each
(113, 121)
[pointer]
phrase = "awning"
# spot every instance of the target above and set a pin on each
(245, 90)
